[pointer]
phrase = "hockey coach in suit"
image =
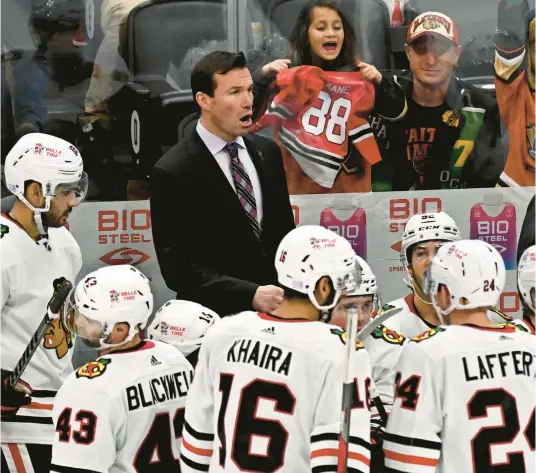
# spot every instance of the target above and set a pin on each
(219, 199)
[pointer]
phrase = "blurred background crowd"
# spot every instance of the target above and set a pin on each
(113, 77)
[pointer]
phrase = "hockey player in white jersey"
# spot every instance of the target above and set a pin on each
(46, 175)
(465, 393)
(526, 285)
(122, 412)
(267, 390)
(384, 347)
(183, 324)
(423, 235)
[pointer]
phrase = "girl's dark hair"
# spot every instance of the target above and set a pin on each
(299, 38)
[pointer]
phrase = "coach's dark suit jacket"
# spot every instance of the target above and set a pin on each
(205, 245)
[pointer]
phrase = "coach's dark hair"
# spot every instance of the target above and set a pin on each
(216, 62)
(299, 38)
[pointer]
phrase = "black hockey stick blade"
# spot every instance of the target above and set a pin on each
(53, 308)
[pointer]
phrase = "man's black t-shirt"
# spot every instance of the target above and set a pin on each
(453, 145)
(421, 137)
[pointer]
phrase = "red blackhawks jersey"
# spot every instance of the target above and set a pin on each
(316, 115)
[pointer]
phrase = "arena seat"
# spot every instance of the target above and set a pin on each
(370, 19)
(158, 96)
(93, 29)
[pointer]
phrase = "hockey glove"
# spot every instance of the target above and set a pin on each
(13, 397)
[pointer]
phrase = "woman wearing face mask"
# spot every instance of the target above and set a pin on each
(318, 104)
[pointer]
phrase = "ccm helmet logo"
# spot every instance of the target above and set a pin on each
(429, 227)
(125, 255)
(283, 256)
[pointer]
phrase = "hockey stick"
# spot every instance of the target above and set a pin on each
(378, 403)
(348, 389)
(53, 308)
(376, 322)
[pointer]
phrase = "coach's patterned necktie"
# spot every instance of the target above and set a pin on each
(244, 188)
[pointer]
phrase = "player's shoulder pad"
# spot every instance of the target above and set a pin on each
(343, 336)
(428, 334)
(63, 238)
(387, 335)
(235, 320)
(11, 242)
(501, 314)
(172, 356)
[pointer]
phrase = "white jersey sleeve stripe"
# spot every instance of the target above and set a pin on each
(415, 451)
(359, 441)
(321, 446)
(198, 459)
(415, 454)
(412, 441)
(325, 468)
(204, 437)
(394, 458)
(321, 437)
(403, 468)
(191, 465)
(358, 461)
(195, 458)
(204, 452)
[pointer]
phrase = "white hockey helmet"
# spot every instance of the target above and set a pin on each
(182, 324)
(310, 252)
(48, 160)
(368, 284)
(473, 272)
(51, 162)
(425, 227)
(526, 276)
(110, 295)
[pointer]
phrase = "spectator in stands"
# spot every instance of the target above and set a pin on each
(449, 137)
(325, 38)
(25, 69)
(514, 85)
(219, 201)
(109, 74)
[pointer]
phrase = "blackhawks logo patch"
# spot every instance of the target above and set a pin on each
(388, 335)
(93, 369)
(451, 118)
(509, 326)
(343, 336)
(428, 334)
(4, 230)
(386, 307)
